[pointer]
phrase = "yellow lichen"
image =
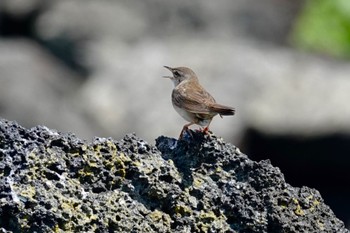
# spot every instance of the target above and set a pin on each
(124, 158)
(298, 210)
(65, 206)
(320, 225)
(156, 215)
(93, 164)
(197, 182)
(218, 169)
(316, 202)
(207, 216)
(28, 192)
(313, 203)
(56, 228)
(136, 163)
(183, 210)
(121, 173)
(85, 172)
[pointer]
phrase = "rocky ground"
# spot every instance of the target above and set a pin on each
(53, 181)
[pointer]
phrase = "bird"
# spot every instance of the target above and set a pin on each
(192, 101)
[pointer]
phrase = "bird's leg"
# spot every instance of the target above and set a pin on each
(185, 128)
(206, 128)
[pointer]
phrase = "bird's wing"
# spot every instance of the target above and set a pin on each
(196, 100)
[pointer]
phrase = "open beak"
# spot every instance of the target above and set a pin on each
(171, 69)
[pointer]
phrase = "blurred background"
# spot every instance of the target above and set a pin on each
(94, 68)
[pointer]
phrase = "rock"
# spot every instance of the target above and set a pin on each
(53, 181)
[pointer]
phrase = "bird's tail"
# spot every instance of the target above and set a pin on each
(222, 110)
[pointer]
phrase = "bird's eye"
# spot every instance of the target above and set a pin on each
(176, 73)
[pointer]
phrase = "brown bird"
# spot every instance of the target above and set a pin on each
(192, 101)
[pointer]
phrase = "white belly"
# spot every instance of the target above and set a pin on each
(185, 115)
(191, 117)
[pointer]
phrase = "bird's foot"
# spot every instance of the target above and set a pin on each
(206, 130)
(186, 130)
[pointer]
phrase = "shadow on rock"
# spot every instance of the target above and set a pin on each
(187, 153)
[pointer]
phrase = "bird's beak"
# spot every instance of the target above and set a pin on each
(171, 69)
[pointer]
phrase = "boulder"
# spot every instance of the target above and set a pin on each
(53, 181)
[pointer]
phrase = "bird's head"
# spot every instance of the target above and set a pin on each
(181, 74)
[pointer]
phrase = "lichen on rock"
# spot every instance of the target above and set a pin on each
(55, 182)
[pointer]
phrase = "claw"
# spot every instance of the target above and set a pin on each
(206, 130)
(182, 132)
(185, 129)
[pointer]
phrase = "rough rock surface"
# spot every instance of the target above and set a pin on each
(51, 181)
